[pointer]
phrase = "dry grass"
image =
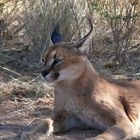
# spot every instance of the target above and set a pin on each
(23, 104)
(19, 88)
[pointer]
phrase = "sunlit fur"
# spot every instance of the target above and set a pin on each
(83, 99)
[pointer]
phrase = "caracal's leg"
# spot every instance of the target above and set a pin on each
(123, 129)
(62, 122)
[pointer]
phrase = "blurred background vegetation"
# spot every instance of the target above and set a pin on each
(26, 27)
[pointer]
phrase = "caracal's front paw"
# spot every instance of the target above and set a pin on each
(44, 127)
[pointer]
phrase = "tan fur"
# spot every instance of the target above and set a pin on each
(84, 99)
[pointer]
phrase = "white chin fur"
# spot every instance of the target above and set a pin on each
(49, 80)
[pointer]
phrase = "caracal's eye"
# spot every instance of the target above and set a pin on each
(57, 61)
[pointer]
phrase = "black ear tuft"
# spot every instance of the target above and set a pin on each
(56, 36)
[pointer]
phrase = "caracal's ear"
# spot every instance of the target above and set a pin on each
(83, 44)
(56, 37)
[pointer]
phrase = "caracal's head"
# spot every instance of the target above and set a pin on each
(66, 61)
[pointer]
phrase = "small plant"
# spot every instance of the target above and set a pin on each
(121, 16)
